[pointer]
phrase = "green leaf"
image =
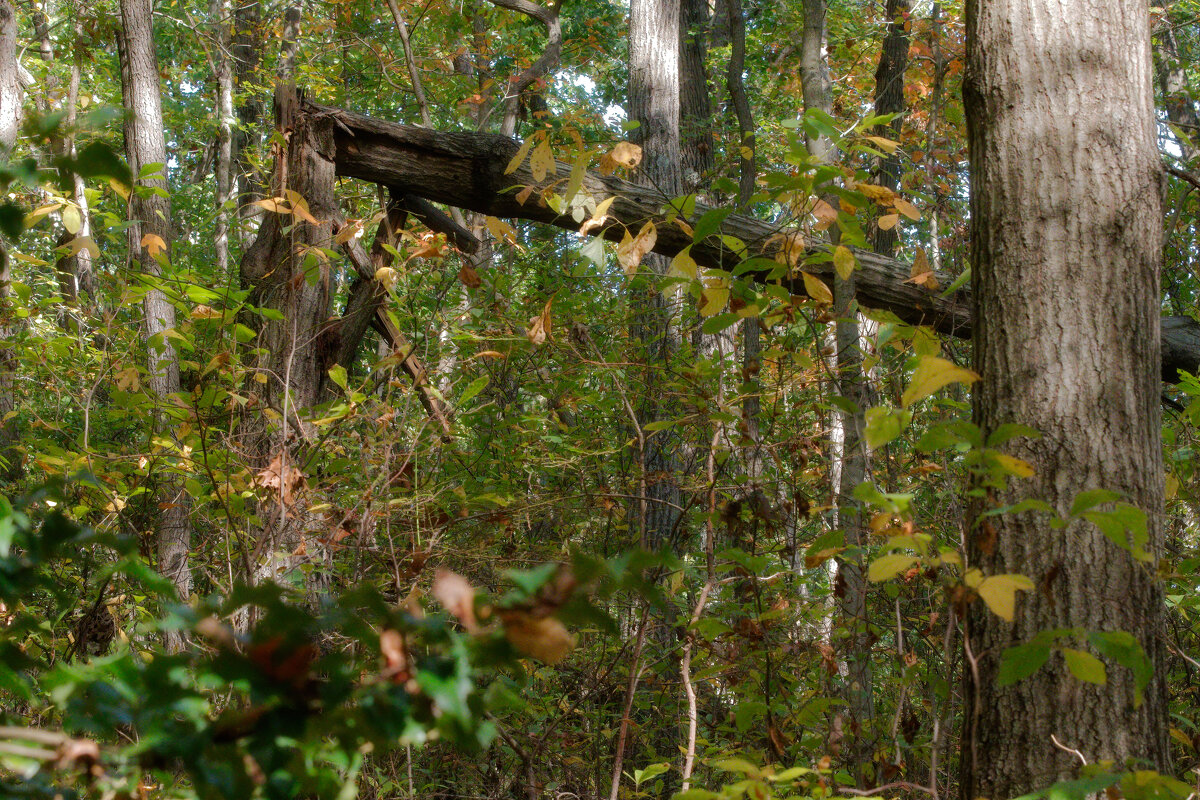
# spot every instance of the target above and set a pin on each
(737, 765)
(473, 388)
(1124, 649)
(337, 374)
(1021, 661)
(1085, 666)
(720, 322)
(652, 771)
(883, 425)
(1085, 501)
(709, 223)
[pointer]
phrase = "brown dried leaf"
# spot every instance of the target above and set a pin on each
(458, 596)
(543, 638)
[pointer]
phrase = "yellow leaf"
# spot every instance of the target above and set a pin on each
(275, 204)
(83, 243)
(889, 566)
(599, 216)
(817, 289)
(843, 261)
(154, 244)
(632, 248)
(931, 374)
(878, 193)
(37, 262)
(502, 230)
(387, 276)
(1015, 466)
(1000, 593)
(542, 161)
(518, 158)
(886, 145)
(119, 188)
(627, 154)
(888, 221)
(715, 296)
(683, 265)
(71, 219)
(907, 209)
(32, 217)
(205, 312)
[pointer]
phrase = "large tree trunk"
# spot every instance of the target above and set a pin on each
(150, 234)
(1065, 243)
(10, 121)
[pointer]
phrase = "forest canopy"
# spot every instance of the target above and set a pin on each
(680, 398)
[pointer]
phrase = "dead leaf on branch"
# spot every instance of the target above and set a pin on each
(285, 480)
(539, 326)
(458, 596)
(543, 638)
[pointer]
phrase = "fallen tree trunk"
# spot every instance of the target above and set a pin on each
(466, 170)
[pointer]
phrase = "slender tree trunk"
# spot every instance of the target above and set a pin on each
(889, 99)
(11, 98)
(849, 448)
(1173, 82)
(249, 108)
(150, 237)
(1066, 231)
(223, 171)
(695, 103)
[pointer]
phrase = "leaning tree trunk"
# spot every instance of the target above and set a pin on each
(149, 238)
(1065, 246)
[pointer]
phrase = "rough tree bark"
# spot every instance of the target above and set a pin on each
(889, 99)
(654, 105)
(1066, 225)
(150, 235)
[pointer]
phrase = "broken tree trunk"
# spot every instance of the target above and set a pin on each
(466, 170)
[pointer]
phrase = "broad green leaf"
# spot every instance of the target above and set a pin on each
(1000, 593)
(337, 374)
(931, 374)
(1122, 648)
(652, 771)
(889, 566)
(720, 322)
(1085, 666)
(1021, 661)
(1085, 501)
(882, 425)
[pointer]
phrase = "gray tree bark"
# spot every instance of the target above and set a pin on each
(1066, 231)
(654, 105)
(150, 231)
